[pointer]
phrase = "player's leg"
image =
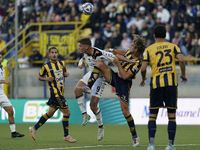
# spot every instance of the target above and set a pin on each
(65, 122)
(9, 110)
(99, 67)
(41, 121)
(7, 106)
(171, 104)
(80, 97)
(156, 101)
(97, 91)
(130, 121)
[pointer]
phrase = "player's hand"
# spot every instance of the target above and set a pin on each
(66, 74)
(184, 79)
(7, 82)
(80, 67)
(50, 79)
(132, 61)
(116, 61)
(142, 83)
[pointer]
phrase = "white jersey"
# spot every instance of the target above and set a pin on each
(102, 56)
(2, 78)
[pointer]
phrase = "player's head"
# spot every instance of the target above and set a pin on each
(159, 31)
(53, 54)
(138, 43)
(84, 44)
(1, 57)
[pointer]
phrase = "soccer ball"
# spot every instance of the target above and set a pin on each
(87, 8)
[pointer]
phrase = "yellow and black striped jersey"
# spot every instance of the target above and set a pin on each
(55, 70)
(161, 56)
(134, 68)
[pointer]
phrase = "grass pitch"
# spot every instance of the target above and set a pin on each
(117, 137)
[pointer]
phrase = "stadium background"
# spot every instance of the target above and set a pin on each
(110, 26)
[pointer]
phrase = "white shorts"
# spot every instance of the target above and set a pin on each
(4, 101)
(98, 86)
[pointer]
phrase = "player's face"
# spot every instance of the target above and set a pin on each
(132, 48)
(53, 54)
(1, 58)
(82, 47)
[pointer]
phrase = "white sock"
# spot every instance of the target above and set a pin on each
(12, 127)
(99, 117)
(81, 103)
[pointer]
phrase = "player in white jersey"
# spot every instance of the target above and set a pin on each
(97, 91)
(5, 103)
(92, 56)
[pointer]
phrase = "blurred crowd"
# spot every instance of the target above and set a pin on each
(113, 22)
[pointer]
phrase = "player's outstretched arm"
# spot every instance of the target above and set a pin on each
(182, 66)
(121, 58)
(116, 51)
(81, 62)
(5, 82)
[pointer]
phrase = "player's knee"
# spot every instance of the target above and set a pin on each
(92, 107)
(10, 112)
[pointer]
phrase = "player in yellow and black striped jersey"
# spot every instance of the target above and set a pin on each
(163, 85)
(54, 72)
(121, 80)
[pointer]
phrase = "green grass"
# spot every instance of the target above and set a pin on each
(117, 137)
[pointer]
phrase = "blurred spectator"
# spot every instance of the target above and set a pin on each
(127, 10)
(23, 58)
(126, 41)
(2, 44)
(44, 6)
(66, 7)
(51, 7)
(29, 6)
(1, 13)
(45, 16)
(137, 21)
(108, 44)
(192, 32)
(146, 33)
(185, 30)
(181, 19)
(195, 51)
(10, 10)
(25, 14)
(103, 18)
(112, 16)
(95, 20)
(142, 12)
(177, 40)
(169, 33)
(121, 22)
(163, 14)
(148, 5)
(9, 38)
(118, 30)
(173, 20)
(107, 32)
(99, 42)
(190, 12)
(4, 27)
(23, 25)
(187, 44)
(36, 56)
(115, 40)
(197, 22)
(149, 21)
(109, 7)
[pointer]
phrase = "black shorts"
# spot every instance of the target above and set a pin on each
(164, 97)
(122, 86)
(58, 102)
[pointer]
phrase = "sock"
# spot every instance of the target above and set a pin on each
(42, 120)
(92, 79)
(81, 103)
(171, 130)
(12, 127)
(152, 129)
(99, 118)
(131, 125)
(65, 123)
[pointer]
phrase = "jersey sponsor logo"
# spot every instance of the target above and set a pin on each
(165, 69)
(33, 110)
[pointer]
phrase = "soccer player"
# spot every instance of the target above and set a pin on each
(121, 80)
(97, 91)
(5, 103)
(55, 72)
(163, 85)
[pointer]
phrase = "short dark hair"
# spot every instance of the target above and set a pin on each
(159, 31)
(52, 48)
(86, 41)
